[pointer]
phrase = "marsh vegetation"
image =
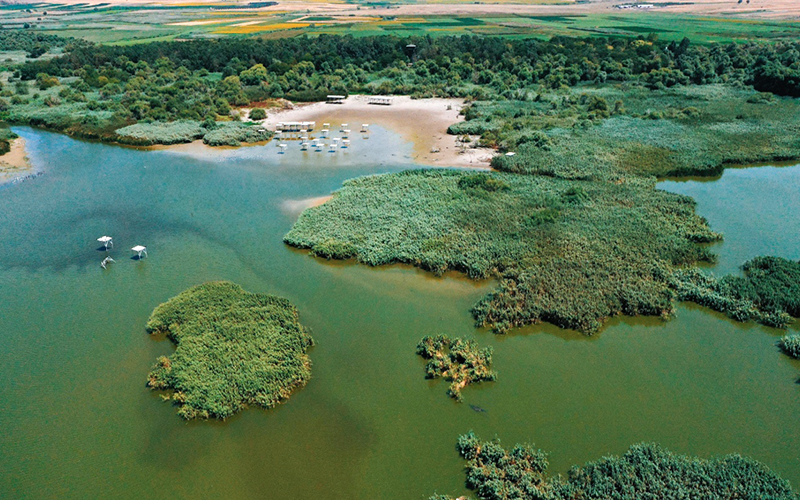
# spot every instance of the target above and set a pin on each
(456, 360)
(645, 471)
(232, 349)
(568, 252)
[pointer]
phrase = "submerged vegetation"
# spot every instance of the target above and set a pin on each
(456, 360)
(233, 349)
(568, 252)
(644, 471)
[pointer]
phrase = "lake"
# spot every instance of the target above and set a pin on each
(78, 422)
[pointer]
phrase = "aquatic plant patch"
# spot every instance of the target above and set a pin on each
(232, 349)
(645, 471)
(457, 360)
(790, 344)
(769, 292)
(236, 133)
(568, 252)
(147, 134)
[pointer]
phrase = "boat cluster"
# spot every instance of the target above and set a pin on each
(24, 178)
(108, 243)
(325, 141)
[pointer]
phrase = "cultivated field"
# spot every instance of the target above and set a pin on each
(143, 21)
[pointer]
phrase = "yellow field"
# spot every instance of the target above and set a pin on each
(235, 30)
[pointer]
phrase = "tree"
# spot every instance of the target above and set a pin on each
(254, 75)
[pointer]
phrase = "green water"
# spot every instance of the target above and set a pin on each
(77, 421)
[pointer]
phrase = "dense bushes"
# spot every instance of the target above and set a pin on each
(452, 64)
(456, 360)
(571, 255)
(233, 349)
(200, 80)
(645, 471)
(257, 114)
(6, 136)
(768, 293)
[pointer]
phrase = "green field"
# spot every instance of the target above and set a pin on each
(141, 24)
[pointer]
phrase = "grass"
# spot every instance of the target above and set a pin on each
(769, 292)
(645, 471)
(233, 349)
(183, 131)
(235, 133)
(594, 132)
(456, 360)
(568, 252)
(147, 134)
(790, 344)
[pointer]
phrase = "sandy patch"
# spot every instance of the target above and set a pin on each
(297, 206)
(421, 121)
(15, 163)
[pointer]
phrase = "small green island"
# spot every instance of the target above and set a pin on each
(233, 349)
(645, 471)
(456, 360)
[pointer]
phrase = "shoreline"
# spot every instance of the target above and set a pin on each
(15, 163)
(423, 122)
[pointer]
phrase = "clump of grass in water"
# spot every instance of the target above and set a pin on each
(456, 360)
(645, 471)
(790, 344)
(233, 349)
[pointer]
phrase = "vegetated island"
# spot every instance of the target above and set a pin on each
(457, 360)
(644, 471)
(574, 228)
(233, 349)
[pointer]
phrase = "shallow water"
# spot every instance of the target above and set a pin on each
(77, 421)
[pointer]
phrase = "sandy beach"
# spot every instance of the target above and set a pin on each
(15, 163)
(421, 121)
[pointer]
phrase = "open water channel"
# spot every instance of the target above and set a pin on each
(77, 422)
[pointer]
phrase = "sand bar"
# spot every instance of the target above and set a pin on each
(15, 163)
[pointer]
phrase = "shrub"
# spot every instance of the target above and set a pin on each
(257, 114)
